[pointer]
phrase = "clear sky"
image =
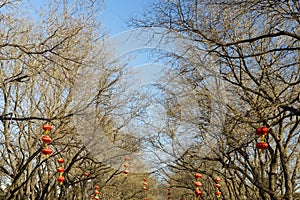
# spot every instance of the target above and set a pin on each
(117, 13)
(115, 20)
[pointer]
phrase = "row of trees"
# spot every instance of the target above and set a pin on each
(236, 69)
(55, 68)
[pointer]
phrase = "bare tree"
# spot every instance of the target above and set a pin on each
(54, 68)
(255, 45)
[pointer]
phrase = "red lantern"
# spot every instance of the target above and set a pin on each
(262, 145)
(91, 196)
(96, 192)
(218, 185)
(60, 170)
(262, 130)
(198, 184)
(96, 187)
(198, 175)
(218, 193)
(47, 151)
(47, 127)
(46, 139)
(126, 165)
(217, 179)
(126, 158)
(86, 174)
(126, 171)
(60, 179)
(198, 192)
(61, 160)
(258, 131)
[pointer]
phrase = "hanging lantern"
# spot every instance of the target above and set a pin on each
(198, 184)
(262, 145)
(46, 151)
(198, 192)
(218, 194)
(91, 196)
(86, 174)
(60, 179)
(47, 127)
(60, 170)
(198, 175)
(218, 186)
(262, 130)
(46, 139)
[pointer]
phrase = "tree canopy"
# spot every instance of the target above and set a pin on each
(235, 72)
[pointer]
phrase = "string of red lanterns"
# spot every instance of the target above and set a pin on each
(145, 187)
(60, 170)
(97, 192)
(262, 132)
(169, 193)
(218, 192)
(46, 139)
(198, 184)
(126, 165)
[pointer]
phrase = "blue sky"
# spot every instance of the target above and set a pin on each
(117, 13)
(114, 19)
